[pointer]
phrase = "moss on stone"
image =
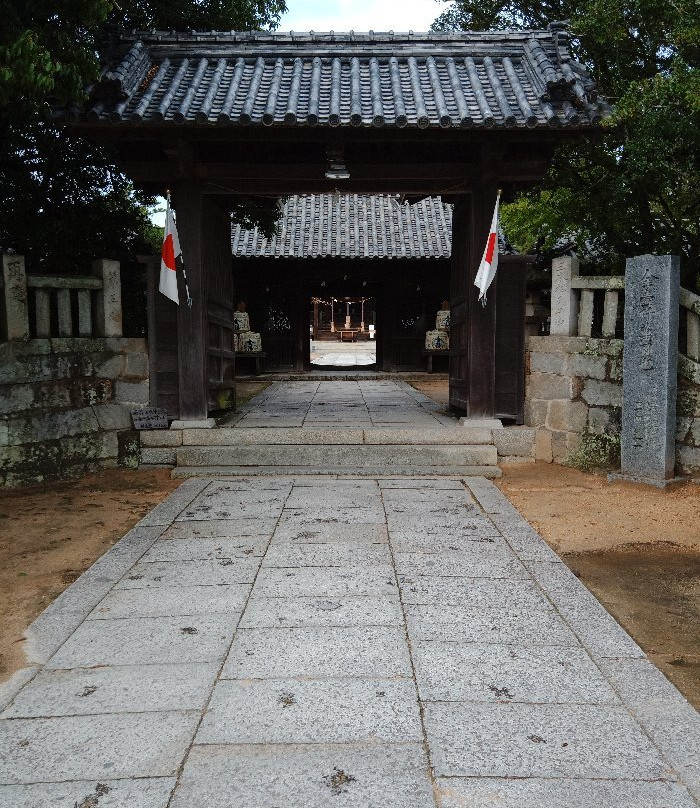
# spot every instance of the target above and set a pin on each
(596, 452)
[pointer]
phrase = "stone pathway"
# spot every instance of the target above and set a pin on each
(342, 354)
(319, 642)
(336, 404)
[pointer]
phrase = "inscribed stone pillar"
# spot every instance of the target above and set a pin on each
(109, 301)
(16, 310)
(652, 285)
(564, 305)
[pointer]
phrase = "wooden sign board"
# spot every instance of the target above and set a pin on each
(150, 418)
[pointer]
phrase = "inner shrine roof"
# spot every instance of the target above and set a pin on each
(503, 79)
(352, 226)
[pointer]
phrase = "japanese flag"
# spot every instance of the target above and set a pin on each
(171, 250)
(489, 261)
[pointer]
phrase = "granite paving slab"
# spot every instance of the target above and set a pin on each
(540, 740)
(273, 582)
(465, 624)
(560, 793)
(304, 611)
(203, 549)
(90, 747)
(475, 564)
(220, 528)
(306, 776)
(180, 600)
(360, 641)
(329, 533)
(152, 792)
(146, 641)
(275, 711)
(450, 671)
(335, 554)
(134, 689)
(162, 574)
(501, 594)
(263, 653)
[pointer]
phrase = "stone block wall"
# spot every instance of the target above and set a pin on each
(688, 423)
(65, 405)
(574, 387)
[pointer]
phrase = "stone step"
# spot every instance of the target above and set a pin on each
(219, 472)
(337, 455)
(281, 436)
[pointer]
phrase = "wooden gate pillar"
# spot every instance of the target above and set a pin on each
(472, 326)
(192, 321)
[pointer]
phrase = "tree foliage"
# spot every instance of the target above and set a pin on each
(635, 188)
(63, 200)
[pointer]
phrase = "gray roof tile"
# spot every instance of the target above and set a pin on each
(352, 226)
(507, 79)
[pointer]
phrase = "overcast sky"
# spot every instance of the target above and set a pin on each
(360, 15)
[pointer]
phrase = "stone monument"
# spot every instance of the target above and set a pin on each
(652, 285)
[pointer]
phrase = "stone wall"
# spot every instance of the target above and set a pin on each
(688, 424)
(574, 387)
(65, 405)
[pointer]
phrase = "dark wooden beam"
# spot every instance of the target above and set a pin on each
(126, 132)
(192, 322)
(481, 320)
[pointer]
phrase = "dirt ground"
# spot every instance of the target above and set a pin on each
(437, 389)
(50, 534)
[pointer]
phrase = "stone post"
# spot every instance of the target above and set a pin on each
(564, 316)
(16, 311)
(652, 286)
(108, 311)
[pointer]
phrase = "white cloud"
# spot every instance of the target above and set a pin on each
(360, 15)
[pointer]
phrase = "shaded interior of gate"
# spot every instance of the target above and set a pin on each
(221, 116)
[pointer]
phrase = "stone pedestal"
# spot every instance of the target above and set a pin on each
(652, 286)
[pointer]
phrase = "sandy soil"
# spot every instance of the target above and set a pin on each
(437, 389)
(583, 513)
(50, 534)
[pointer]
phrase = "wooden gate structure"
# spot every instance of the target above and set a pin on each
(217, 117)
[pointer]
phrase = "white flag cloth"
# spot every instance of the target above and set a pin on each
(168, 260)
(489, 261)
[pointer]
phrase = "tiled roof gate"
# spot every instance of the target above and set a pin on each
(338, 119)
(511, 79)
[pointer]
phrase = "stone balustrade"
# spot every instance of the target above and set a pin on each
(574, 296)
(690, 317)
(574, 301)
(46, 306)
(69, 380)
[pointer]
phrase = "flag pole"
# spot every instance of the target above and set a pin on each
(182, 260)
